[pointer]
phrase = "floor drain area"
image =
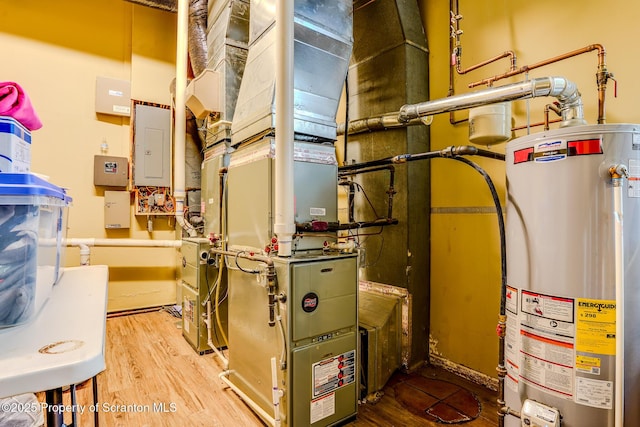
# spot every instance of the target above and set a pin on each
(437, 400)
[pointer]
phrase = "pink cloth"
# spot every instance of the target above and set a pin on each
(15, 103)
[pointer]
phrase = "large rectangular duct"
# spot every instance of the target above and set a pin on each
(227, 47)
(389, 68)
(322, 48)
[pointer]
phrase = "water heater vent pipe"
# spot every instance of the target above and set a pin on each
(564, 90)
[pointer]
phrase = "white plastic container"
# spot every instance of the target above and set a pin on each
(15, 146)
(33, 224)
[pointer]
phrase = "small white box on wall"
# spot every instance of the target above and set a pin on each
(113, 96)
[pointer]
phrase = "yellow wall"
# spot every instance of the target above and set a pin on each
(465, 252)
(55, 51)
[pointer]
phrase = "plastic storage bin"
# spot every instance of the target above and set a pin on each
(15, 146)
(33, 225)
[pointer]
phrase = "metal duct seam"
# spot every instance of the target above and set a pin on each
(559, 87)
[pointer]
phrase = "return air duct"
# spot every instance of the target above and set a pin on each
(389, 68)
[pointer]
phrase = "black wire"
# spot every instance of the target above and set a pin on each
(501, 227)
(242, 269)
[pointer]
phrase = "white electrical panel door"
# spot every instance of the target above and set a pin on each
(152, 146)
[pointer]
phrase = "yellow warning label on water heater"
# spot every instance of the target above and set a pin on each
(596, 326)
(590, 365)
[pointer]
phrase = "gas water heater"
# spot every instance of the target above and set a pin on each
(566, 254)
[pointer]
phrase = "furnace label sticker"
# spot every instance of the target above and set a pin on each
(633, 181)
(322, 407)
(596, 393)
(317, 212)
(596, 326)
(188, 313)
(333, 373)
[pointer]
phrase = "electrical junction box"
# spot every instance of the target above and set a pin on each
(110, 171)
(113, 96)
(117, 213)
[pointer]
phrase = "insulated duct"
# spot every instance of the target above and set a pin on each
(389, 68)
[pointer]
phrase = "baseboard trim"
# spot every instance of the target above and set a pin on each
(464, 372)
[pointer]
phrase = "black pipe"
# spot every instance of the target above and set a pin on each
(321, 227)
(343, 173)
(501, 228)
(502, 322)
(391, 191)
(448, 152)
(357, 166)
(454, 153)
(351, 200)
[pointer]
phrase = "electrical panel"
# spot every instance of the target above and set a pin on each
(152, 146)
(116, 209)
(110, 171)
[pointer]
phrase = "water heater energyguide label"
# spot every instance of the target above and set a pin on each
(333, 373)
(547, 343)
(596, 326)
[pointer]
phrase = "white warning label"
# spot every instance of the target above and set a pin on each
(547, 364)
(633, 180)
(323, 407)
(596, 393)
(333, 373)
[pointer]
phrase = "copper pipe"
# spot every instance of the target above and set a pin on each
(508, 54)
(601, 77)
(527, 68)
(458, 57)
(547, 108)
(531, 125)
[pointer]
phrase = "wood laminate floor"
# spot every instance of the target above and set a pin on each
(154, 378)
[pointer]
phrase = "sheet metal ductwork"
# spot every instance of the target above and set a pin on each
(227, 47)
(322, 48)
